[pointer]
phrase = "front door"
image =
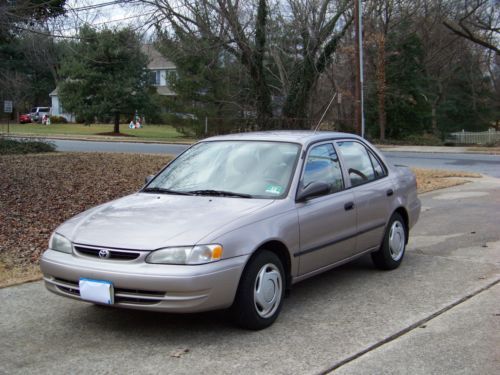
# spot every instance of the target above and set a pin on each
(327, 223)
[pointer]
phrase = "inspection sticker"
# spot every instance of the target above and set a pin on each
(274, 189)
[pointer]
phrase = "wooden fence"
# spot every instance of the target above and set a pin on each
(478, 138)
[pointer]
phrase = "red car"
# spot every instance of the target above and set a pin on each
(23, 119)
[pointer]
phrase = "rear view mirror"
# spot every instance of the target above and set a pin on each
(314, 189)
(149, 178)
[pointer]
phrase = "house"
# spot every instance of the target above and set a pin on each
(57, 108)
(159, 69)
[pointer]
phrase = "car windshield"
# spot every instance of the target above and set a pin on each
(249, 169)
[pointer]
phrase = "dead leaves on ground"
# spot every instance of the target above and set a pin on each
(39, 192)
(434, 179)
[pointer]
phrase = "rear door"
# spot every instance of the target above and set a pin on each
(373, 192)
(327, 224)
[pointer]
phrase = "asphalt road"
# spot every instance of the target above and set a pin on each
(437, 313)
(480, 163)
(133, 147)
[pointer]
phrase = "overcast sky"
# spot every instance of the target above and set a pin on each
(101, 13)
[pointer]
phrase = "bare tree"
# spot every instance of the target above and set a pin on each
(247, 31)
(319, 26)
(237, 27)
(477, 21)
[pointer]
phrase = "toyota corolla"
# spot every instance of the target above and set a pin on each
(235, 221)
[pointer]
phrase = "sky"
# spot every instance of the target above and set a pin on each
(103, 13)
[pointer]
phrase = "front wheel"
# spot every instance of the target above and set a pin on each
(260, 293)
(391, 252)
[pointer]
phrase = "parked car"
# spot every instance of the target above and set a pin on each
(37, 113)
(24, 119)
(235, 221)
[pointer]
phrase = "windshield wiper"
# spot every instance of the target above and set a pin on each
(164, 191)
(220, 193)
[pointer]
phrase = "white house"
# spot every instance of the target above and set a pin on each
(57, 109)
(159, 68)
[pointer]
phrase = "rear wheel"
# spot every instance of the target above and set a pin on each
(391, 252)
(260, 293)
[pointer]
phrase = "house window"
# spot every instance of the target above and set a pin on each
(154, 77)
(171, 75)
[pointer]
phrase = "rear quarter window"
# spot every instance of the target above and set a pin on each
(357, 162)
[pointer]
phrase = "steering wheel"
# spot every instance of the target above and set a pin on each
(359, 173)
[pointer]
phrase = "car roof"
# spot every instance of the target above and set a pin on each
(304, 137)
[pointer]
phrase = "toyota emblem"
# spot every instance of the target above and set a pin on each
(104, 253)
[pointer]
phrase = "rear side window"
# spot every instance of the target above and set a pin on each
(357, 162)
(322, 165)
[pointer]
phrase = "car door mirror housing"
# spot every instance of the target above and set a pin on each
(149, 178)
(314, 189)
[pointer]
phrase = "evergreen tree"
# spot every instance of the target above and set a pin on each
(106, 76)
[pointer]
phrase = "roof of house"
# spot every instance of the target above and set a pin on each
(156, 59)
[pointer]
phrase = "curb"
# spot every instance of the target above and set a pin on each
(100, 139)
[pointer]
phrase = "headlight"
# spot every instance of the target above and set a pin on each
(60, 243)
(199, 254)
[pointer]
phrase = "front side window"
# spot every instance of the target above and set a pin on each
(357, 162)
(322, 165)
(252, 169)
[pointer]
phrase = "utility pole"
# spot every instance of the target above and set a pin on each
(359, 115)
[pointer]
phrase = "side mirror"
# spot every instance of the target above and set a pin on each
(149, 178)
(314, 189)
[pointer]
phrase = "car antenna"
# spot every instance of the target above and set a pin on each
(324, 113)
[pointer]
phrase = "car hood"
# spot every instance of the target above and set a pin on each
(149, 221)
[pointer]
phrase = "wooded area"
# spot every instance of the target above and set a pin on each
(431, 67)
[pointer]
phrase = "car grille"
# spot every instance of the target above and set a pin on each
(128, 296)
(113, 253)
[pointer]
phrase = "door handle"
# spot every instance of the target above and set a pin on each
(389, 192)
(349, 206)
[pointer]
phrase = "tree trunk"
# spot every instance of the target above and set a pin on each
(434, 119)
(298, 97)
(381, 86)
(117, 123)
(434, 105)
(264, 108)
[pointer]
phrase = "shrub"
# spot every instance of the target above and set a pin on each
(58, 120)
(415, 140)
(24, 146)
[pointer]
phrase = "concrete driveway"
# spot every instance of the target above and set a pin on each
(437, 313)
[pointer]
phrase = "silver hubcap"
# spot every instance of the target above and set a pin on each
(397, 240)
(267, 290)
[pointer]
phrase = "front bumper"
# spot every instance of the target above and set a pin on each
(143, 286)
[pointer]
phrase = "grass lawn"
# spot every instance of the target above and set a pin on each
(165, 133)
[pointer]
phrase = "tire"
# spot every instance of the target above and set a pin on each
(260, 293)
(391, 252)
